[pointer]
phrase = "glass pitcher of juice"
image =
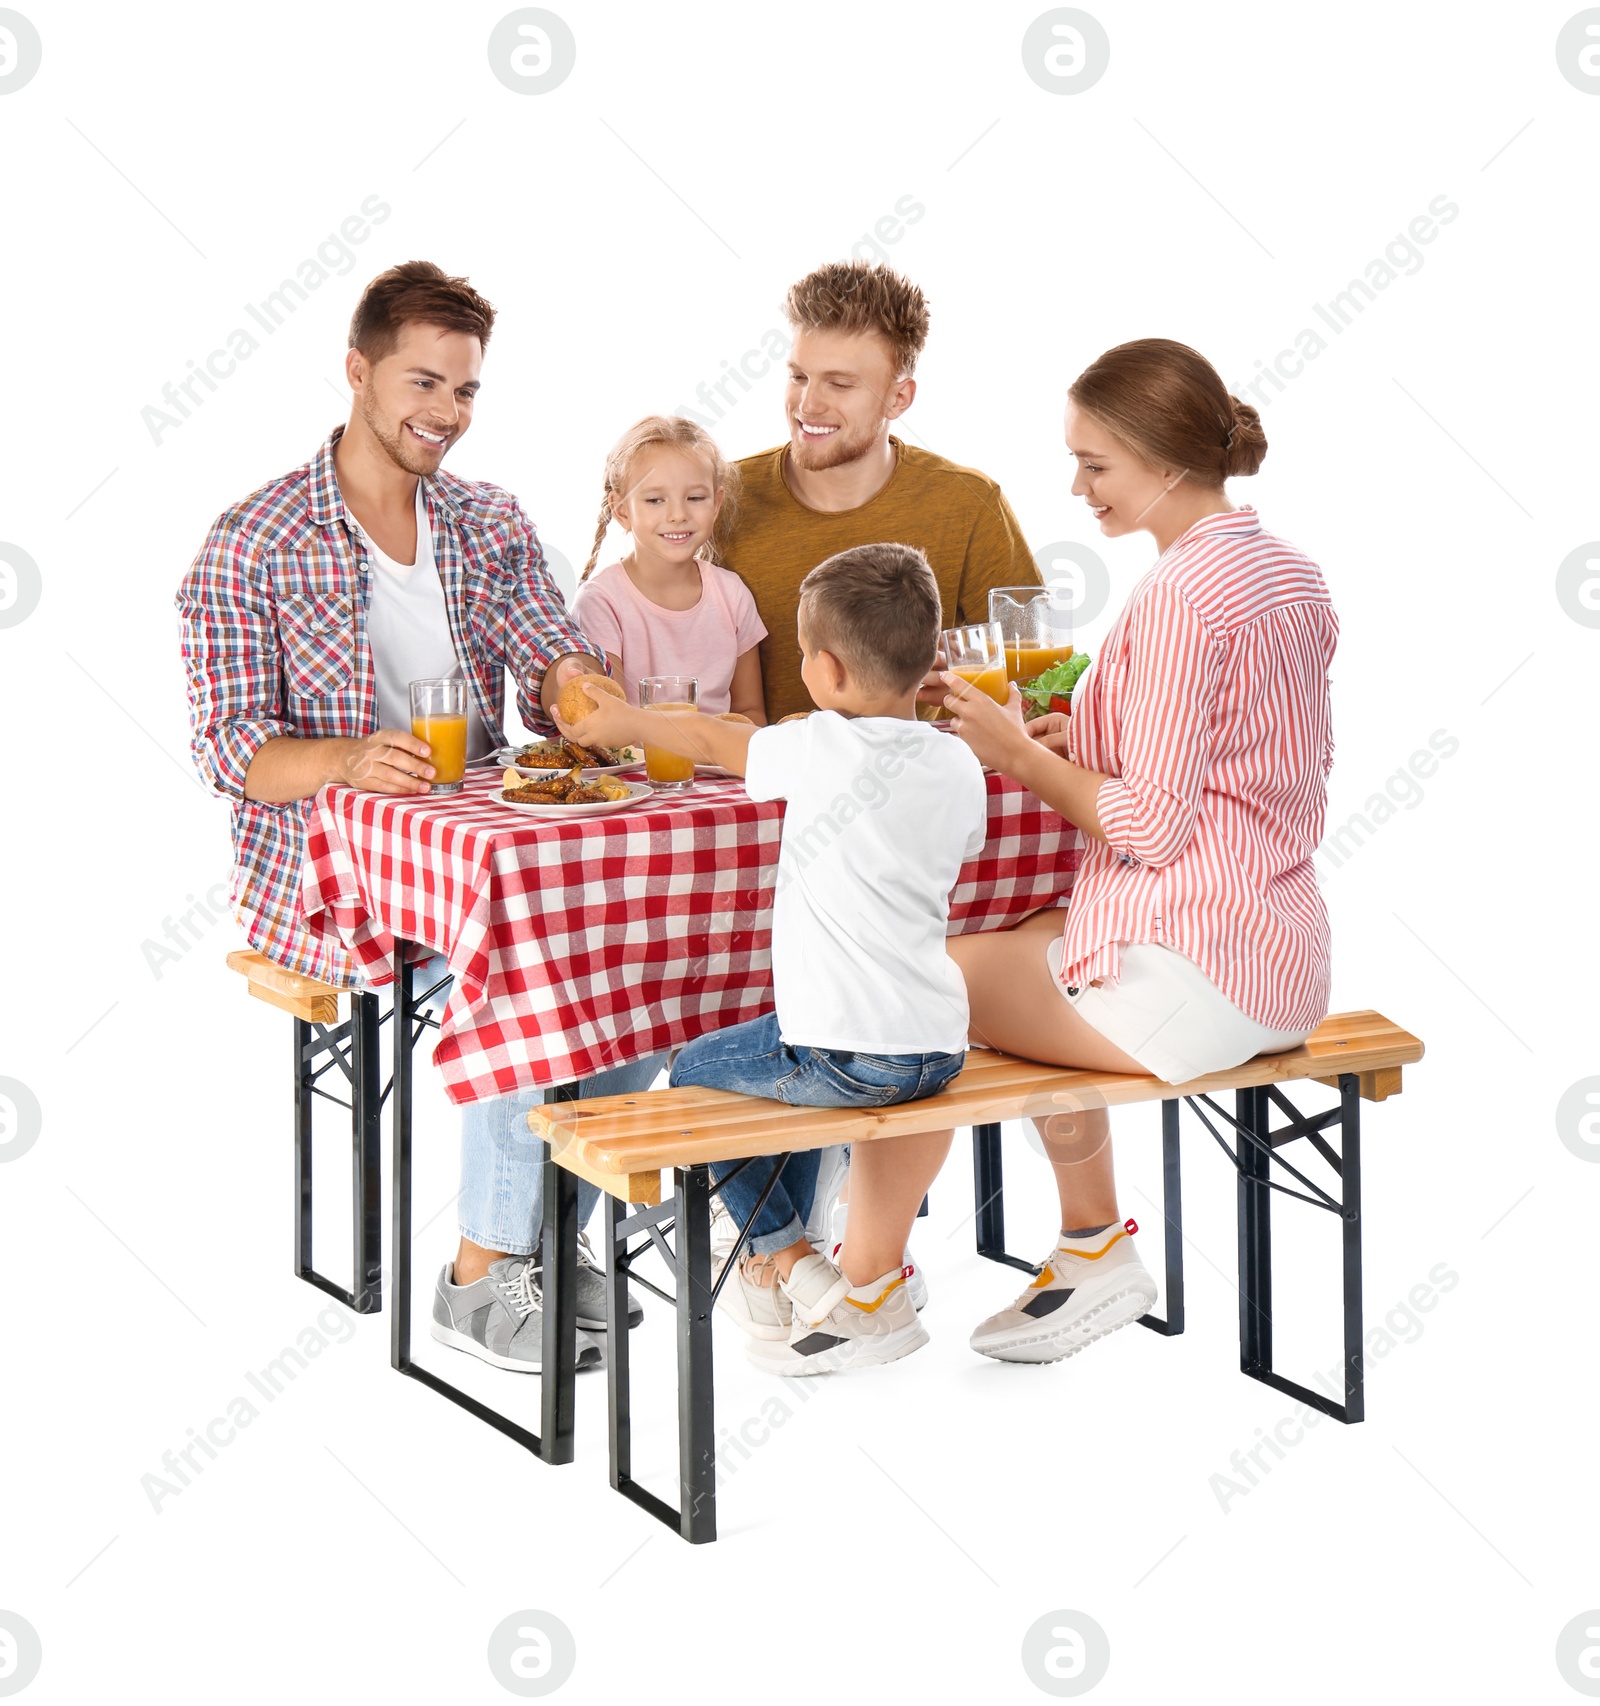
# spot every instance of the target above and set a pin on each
(439, 716)
(1036, 628)
(668, 694)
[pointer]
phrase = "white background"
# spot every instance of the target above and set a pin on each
(636, 228)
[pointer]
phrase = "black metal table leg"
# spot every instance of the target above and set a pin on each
(366, 1143)
(558, 1244)
(1172, 1216)
(406, 1031)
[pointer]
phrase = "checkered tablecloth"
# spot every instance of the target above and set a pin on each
(588, 943)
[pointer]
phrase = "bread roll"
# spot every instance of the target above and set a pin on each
(735, 717)
(795, 717)
(577, 697)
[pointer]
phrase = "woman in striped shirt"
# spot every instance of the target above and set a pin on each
(1195, 761)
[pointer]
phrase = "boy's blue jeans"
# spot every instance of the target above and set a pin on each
(753, 1059)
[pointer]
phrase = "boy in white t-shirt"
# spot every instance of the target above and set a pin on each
(882, 811)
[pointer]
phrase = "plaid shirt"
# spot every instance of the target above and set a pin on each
(274, 615)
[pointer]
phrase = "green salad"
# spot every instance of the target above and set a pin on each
(1056, 683)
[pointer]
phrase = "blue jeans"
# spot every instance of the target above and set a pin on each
(501, 1205)
(754, 1060)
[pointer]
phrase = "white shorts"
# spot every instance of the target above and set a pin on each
(1167, 1014)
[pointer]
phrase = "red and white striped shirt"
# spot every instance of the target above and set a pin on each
(1207, 711)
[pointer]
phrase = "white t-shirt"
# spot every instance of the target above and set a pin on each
(408, 632)
(882, 813)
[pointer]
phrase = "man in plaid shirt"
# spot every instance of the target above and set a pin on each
(311, 605)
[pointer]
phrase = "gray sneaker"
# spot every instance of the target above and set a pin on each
(500, 1318)
(592, 1291)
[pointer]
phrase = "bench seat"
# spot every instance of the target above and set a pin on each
(621, 1143)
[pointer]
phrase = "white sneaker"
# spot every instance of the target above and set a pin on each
(837, 1327)
(1087, 1287)
(763, 1311)
(916, 1284)
(833, 1169)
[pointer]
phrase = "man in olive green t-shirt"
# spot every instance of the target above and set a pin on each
(843, 479)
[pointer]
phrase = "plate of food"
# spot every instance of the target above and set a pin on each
(542, 755)
(567, 793)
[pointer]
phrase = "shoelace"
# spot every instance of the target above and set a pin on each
(524, 1294)
(586, 1255)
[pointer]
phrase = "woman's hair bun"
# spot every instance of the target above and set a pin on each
(1169, 406)
(1247, 443)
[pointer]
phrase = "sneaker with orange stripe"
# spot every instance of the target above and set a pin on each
(838, 1327)
(1086, 1288)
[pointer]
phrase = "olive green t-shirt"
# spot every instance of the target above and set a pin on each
(955, 516)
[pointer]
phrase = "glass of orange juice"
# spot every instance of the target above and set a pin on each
(668, 694)
(439, 716)
(977, 655)
(1036, 622)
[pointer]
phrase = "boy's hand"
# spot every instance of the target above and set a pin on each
(613, 722)
(930, 695)
(994, 732)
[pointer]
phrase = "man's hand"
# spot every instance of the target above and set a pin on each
(1050, 731)
(561, 672)
(388, 762)
(994, 732)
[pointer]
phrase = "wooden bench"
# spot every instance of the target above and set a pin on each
(623, 1144)
(320, 1043)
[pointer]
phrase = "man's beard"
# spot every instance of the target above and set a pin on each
(834, 452)
(410, 457)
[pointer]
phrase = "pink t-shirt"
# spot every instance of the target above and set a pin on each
(704, 641)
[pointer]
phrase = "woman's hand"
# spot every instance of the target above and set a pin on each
(994, 732)
(1051, 732)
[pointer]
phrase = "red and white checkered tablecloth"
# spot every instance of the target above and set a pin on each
(583, 944)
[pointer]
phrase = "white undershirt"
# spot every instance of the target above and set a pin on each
(408, 631)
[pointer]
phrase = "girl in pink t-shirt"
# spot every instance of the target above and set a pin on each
(668, 608)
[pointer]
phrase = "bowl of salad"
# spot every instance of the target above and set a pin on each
(1052, 691)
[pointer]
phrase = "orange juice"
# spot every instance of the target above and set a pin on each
(1023, 663)
(668, 768)
(447, 736)
(987, 678)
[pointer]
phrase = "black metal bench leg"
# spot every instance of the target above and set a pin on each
(619, 1417)
(988, 1192)
(1255, 1238)
(304, 1096)
(1172, 1215)
(1253, 1160)
(697, 1458)
(1350, 1176)
(355, 1046)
